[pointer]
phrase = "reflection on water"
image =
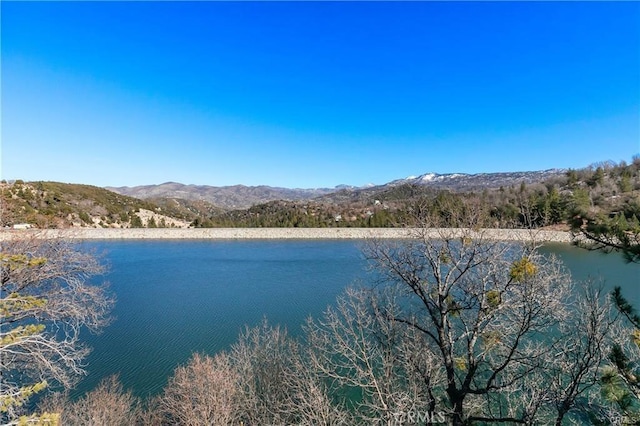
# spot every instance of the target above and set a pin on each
(179, 297)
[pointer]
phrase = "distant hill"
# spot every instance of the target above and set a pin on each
(553, 198)
(239, 197)
(227, 197)
(507, 200)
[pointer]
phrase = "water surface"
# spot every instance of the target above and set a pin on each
(179, 297)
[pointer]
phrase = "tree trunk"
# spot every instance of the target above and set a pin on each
(456, 399)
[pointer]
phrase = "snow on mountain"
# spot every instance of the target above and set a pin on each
(464, 181)
(427, 177)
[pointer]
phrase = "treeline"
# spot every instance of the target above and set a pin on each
(603, 190)
(595, 194)
(308, 214)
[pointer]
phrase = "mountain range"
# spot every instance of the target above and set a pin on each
(513, 199)
(243, 197)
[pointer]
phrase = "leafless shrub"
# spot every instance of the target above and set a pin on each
(107, 405)
(203, 392)
(262, 357)
(355, 347)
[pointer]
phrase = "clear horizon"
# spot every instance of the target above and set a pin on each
(313, 94)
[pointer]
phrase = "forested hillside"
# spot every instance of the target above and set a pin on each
(604, 191)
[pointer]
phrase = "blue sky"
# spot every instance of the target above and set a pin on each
(313, 94)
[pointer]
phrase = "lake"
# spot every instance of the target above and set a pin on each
(176, 297)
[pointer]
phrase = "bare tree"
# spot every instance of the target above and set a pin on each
(573, 370)
(263, 380)
(477, 330)
(311, 399)
(279, 384)
(203, 392)
(46, 298)
(356, 348)
(263, 359)
(107, 405)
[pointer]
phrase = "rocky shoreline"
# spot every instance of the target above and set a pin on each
(283, 233)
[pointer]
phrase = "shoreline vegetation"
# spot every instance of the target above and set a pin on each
(285, 234)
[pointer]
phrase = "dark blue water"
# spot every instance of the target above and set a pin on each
(599, 268)
(179, 297)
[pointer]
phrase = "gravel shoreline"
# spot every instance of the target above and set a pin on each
(281, 234)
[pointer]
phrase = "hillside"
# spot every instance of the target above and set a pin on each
(549, 198)
(226, 197)
(241, 197)
(539, 199)
(63, 205)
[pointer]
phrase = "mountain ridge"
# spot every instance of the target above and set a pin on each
(508, 199)
(241, 196)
